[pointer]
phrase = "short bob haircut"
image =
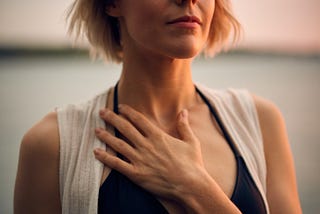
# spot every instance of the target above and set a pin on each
(89, 18)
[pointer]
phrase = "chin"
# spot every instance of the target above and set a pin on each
(185, 50)
(185, 53)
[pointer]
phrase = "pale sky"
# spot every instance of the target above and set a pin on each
(281, 25)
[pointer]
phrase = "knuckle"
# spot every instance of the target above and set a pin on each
(146, 144)
(135, 157)
(135, 118)
(157, 135)
(148, 147)
(126, 108)
(182, 124)
(116, 163)
(105, 137)
(111, 116)
(121, 146)
(126, 125)
(137, 174)
(105, 159)
(108, 117)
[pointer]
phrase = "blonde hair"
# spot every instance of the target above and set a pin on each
(89, 18)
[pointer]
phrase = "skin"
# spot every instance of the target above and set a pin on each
(169, 131)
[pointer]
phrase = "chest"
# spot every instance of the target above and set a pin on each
(218, 156)
(217, 153)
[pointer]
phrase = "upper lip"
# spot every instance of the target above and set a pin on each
(185, 19)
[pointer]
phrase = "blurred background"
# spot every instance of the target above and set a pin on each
(278, 58)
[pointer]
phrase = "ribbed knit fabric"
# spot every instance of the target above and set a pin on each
(80, 173)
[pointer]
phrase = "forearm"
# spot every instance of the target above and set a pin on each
(201, 194)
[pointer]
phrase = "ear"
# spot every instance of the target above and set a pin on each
(113, 9)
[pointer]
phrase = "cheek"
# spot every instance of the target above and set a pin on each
(141, 12)
(141, 19)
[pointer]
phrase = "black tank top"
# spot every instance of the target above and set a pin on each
(118, 195)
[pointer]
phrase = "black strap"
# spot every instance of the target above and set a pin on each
(116, 110)
(220, 124)
(115, 99)
(115, 107)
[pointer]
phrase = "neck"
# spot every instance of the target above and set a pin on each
(159, 89)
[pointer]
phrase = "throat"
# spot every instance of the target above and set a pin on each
(161, 105)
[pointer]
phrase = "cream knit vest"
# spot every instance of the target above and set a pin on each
(80, 173)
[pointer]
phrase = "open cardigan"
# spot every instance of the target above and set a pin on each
(80, 173)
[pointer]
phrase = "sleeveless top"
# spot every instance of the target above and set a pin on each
(80, 173)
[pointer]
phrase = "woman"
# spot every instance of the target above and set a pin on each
(171, 146)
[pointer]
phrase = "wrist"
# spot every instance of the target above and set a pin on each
(201, 194)
(192, 188)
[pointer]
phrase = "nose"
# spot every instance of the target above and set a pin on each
(180, 2)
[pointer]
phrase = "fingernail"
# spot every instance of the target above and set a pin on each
(121, 107)
(184, 116)
(104, 112)
(98, 130)
(96, 151)
(101, 112)
(184, 113)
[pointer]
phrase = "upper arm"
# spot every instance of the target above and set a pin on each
(37, 181)
(282, 194)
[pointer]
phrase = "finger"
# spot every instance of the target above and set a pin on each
(114, 162)
(122, 125)
(184, 128)
(116, 144)
(146, 127)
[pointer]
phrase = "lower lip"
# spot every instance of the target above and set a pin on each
(189, 25)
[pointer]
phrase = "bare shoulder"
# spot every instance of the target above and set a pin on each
(271, 119)
(268, 112)
(282, 193)
(37, 181)
(43, 136)
(272, 124)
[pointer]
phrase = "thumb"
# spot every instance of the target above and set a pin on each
(183, 126)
